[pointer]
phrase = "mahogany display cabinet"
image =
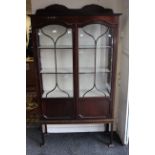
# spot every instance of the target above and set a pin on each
(75, 53)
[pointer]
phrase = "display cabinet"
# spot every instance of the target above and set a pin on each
(75, 54)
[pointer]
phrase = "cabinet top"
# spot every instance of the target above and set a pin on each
(88, 10)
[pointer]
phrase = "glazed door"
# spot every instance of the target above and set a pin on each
(55, 52)
(95, 70)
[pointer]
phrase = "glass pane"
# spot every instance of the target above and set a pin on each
(64, 60)
(65, 88)
(56, 63)
(61, 35)
(95, 53)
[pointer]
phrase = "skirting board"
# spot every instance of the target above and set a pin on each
(70, 128)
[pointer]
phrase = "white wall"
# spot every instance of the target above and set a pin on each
(122, 125)
(113, 4)
(118, 7)
(28, 7)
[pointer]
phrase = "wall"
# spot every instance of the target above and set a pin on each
(28, 7)
(122, 125)
(118, 7)
(114, 4)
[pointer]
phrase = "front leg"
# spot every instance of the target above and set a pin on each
(111, 136)
(42, 137)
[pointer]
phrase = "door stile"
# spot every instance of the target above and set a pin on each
(75, 69)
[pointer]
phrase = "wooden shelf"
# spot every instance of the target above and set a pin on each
(70, 47)
(92, 47)
(83, 70)
(59, 71)
(90, 70)
(57, 47)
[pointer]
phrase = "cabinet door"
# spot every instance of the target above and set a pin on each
(95, 69)
(55, 53)
(56, 61)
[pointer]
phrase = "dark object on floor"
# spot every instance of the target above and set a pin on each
(73, 144)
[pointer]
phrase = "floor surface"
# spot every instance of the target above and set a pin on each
(72, 144)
